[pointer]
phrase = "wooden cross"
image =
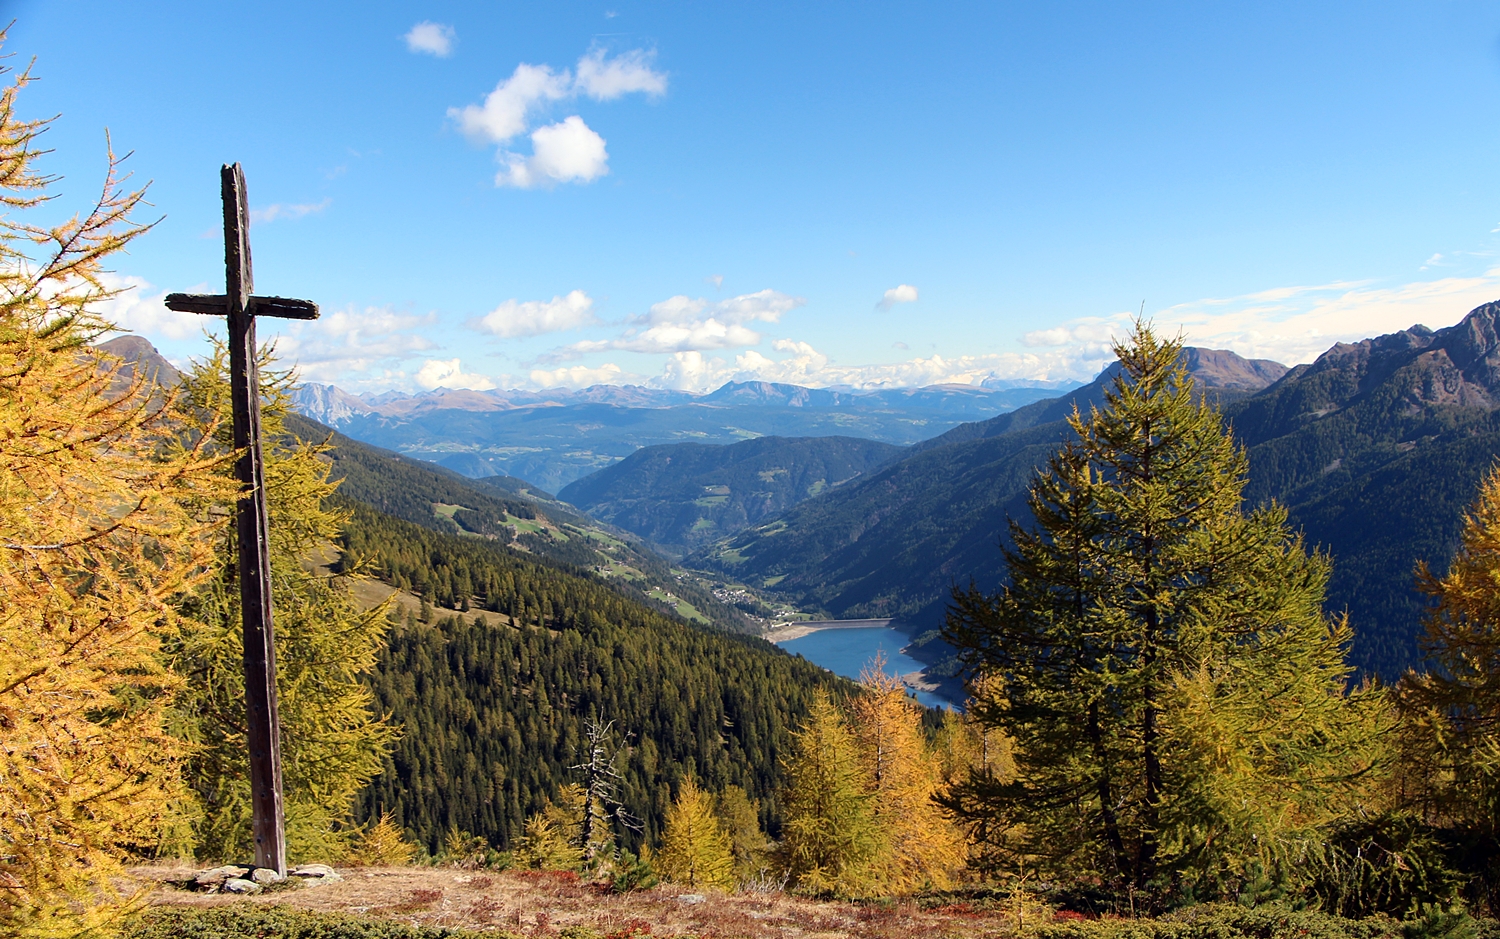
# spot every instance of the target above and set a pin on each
(237, 303)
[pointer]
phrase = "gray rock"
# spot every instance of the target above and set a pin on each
(216, 876)
(240, 885)
(691, 898)
(266, 877)
(313, 870)
(313, 875)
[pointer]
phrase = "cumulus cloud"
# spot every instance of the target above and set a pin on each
(505, 110)
(683, 324)
(534, 317)
(449, 373)
(578, 376)
(799, 363)
(607, 79)
(431, 38)
(136, 309)
(344, 346)
(901, 293)
(290, 211)
(568, 151)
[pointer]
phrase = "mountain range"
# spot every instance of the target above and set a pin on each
(554, 437)
(1375, 449)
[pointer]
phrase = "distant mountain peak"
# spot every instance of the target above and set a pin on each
(327, 404)
(1220, 368)
(140, 355)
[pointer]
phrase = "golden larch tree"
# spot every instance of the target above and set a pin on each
(97, 539)
(921, 848)
(830, 839)
(695, 848)
(1451, 726)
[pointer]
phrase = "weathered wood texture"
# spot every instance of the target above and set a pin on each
(252, 521)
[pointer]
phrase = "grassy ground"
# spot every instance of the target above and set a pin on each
(543, 904)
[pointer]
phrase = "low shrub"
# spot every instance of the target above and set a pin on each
(1222, 921)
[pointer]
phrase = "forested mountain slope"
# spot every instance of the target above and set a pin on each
(685, 494)
(893, 543)
(494, 716)
(442, 500)
(1377, 448)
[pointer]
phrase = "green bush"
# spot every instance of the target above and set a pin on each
(281, 922)
(1228, 921)
(1389, 863)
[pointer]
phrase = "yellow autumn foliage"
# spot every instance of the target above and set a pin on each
(96, 540)
(695, 849)
(920, 847)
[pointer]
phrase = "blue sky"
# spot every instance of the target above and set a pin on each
(525, 195)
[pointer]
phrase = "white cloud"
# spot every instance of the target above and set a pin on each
(504, 112)
(802, 364)
(284, 210)
(683, 324)
(344, 346)
(534, 317)
(901, 293)
(431, 38)
(606, 79)
(679, 337)
(716, 279)
(1291, 325)
(565, 152)
(578, 376)
(449, 373)
(135, 309)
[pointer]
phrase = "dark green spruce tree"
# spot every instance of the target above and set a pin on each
(1177, 700)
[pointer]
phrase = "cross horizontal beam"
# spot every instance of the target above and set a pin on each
(217, 304)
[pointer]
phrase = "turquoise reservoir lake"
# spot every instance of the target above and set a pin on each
(847, 651)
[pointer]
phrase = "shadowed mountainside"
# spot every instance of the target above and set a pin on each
(682, 495)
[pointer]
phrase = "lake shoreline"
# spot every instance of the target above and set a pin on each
(790, 631)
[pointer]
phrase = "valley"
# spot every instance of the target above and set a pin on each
(553, 439)
(1373, 449)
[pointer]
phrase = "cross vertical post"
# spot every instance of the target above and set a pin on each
(252, 518)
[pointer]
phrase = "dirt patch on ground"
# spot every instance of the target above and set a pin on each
(542, 904)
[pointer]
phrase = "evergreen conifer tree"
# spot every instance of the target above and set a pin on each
(1175, 695)
(332, 743)
(830, 838)
(97, 537)
(695, 848)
